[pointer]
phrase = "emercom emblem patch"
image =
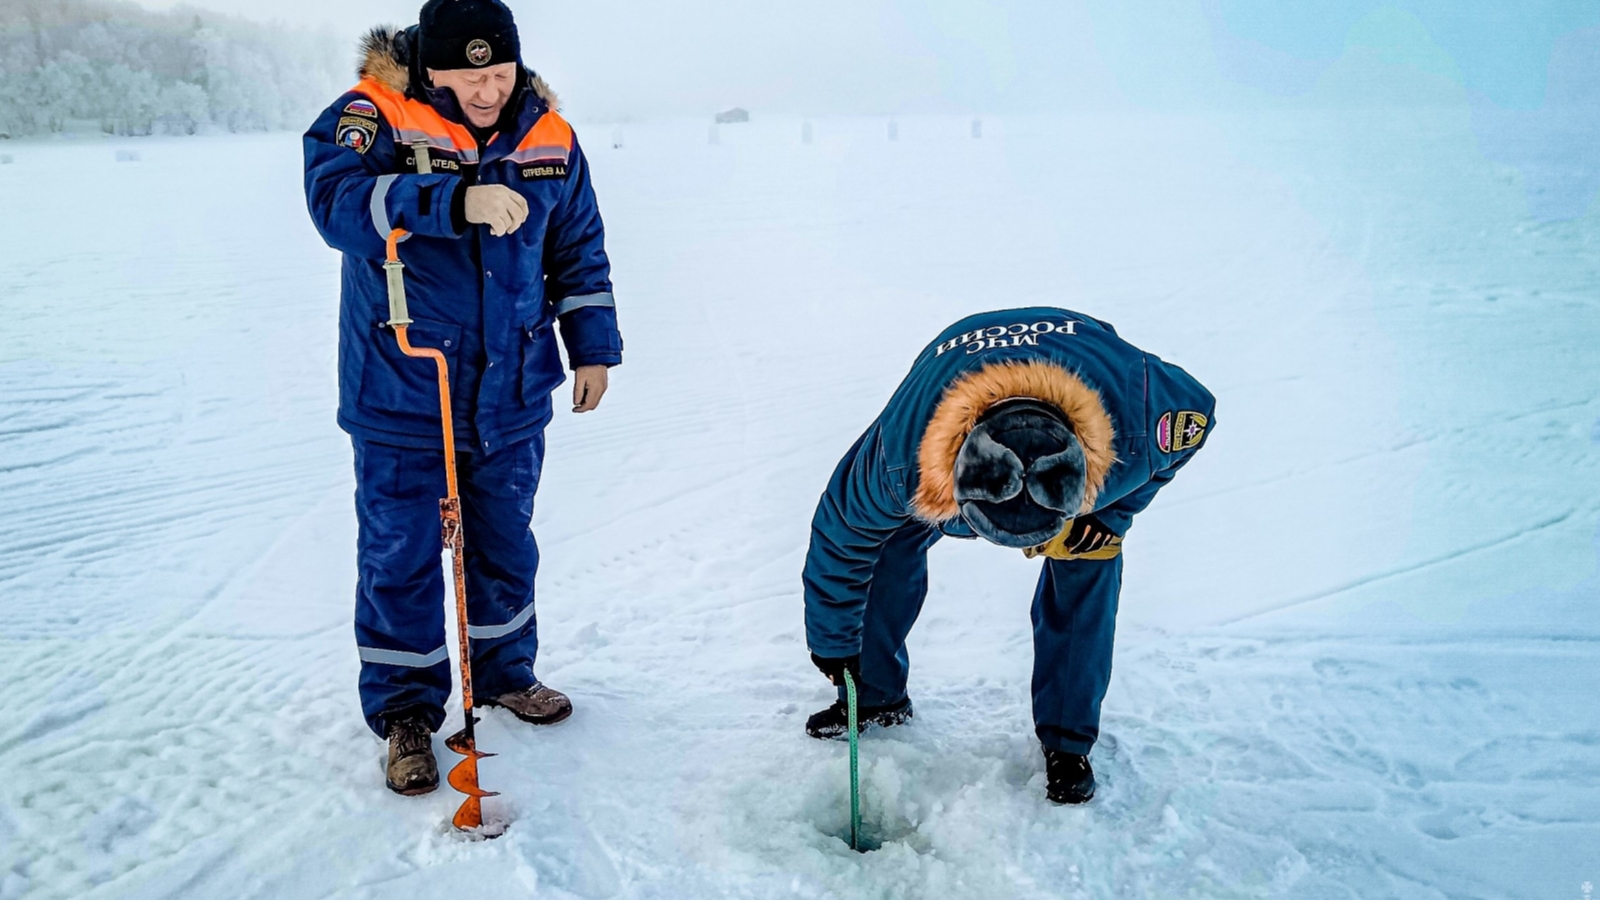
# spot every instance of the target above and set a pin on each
(357, 133)
(1180, 431)
(543, 171)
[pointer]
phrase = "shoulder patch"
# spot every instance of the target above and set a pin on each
(357, 133)
(362, 108)
(1180, 431)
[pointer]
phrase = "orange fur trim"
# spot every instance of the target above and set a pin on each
(380, 59)
(971, 395)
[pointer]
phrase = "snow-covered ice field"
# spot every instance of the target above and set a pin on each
(1357, 645)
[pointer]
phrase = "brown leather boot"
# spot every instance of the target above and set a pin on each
(412, 769)
(538, 704)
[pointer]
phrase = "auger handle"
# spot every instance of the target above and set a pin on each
(395, 270)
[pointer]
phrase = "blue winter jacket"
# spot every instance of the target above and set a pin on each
(1139, 419)
(490, 304)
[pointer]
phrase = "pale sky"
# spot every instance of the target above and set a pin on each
(638, 58)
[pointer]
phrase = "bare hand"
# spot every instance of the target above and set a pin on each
(589, 384)
(496, 206)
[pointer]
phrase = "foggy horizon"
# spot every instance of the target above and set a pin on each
(611, 60)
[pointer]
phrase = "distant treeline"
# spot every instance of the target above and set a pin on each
(84, 65)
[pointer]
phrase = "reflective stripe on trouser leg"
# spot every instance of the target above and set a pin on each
(399, 616)
(493, 632)
(403, 658)
(894, 600)
(1074, 628)
(497, 493)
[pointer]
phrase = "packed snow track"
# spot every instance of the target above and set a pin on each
(1357, 644)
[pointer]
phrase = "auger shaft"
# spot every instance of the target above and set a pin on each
(464, 776)
(855, 761)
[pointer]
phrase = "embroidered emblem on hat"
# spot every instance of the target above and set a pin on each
(1188, 429)
(362, 108)
(357, 134)
(1164, 433)
(479, 53)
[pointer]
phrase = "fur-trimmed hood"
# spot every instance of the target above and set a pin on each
(971, 395)
(385, 58)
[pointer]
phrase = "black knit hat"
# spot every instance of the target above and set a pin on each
(1021, 474)
(467, 34)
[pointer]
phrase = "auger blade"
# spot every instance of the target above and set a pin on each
(469, 815)
(466, 746)
(464, 778)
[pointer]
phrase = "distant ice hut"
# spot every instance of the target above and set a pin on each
(733, 116)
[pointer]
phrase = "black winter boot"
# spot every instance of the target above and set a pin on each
(412, 768)
(833, 723)
(1068, 777)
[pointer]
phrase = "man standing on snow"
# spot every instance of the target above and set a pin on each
(449, 137)
(1036, 429)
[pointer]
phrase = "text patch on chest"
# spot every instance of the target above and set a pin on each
(543, 171)
(438, 164)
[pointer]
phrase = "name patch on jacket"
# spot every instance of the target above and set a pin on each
(409, 164)
(1022, 334)
(1180, 431)
(543, 171)
(357, 133)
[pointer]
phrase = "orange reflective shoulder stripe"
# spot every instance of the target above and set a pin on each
(550, 131)
(550, 139)
(416, 122)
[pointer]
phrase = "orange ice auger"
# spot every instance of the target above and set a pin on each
(464, 777)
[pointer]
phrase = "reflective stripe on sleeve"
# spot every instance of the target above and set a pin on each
(380, 206)
(573, 303)
(490, 632)
(402, 658)
(413, 136)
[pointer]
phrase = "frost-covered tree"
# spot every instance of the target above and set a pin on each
(127, 70)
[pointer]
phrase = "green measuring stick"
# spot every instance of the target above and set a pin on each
(855, 764)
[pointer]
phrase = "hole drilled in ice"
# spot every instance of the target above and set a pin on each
(868, 840)
(493, 827)
(875, 835)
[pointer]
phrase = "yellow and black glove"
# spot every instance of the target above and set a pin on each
(1084, 538)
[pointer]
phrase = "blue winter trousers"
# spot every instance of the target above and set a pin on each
(402, 588)
(1074, 623)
